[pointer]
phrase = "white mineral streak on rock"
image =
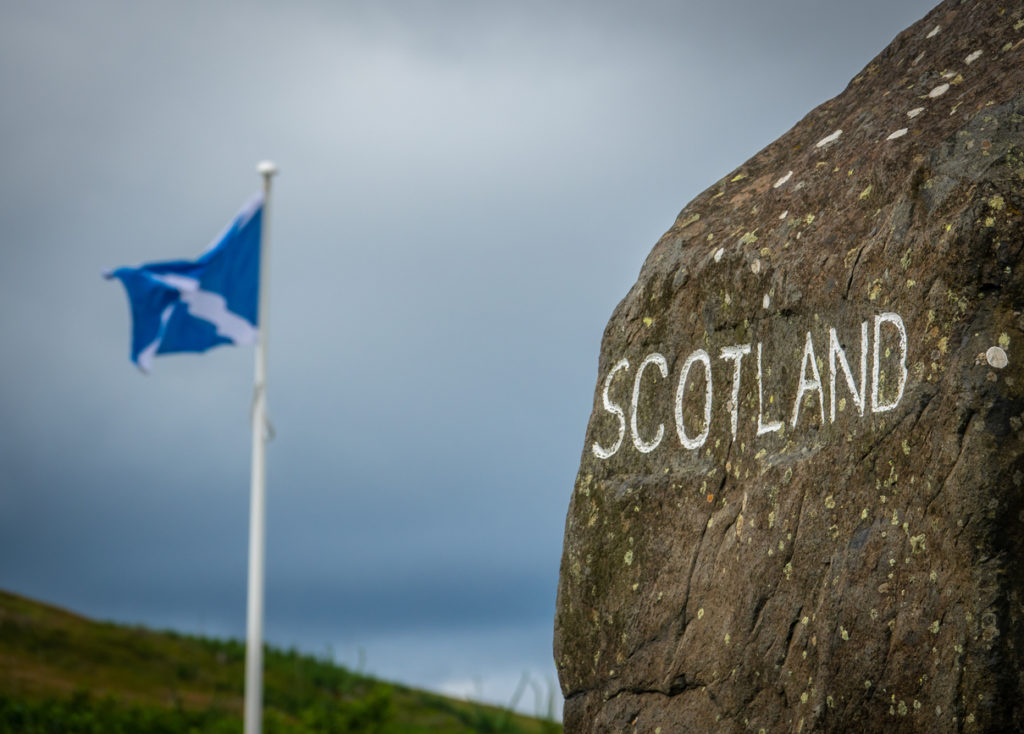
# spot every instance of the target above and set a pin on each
(934, 32)
(783, 180)
(915, 112)
(996, 357)
(938, 91)
(898, 134)
(973, 57)
(831, 138)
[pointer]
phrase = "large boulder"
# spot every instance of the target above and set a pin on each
(800, 503)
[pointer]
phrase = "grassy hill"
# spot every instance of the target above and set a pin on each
(60, 672)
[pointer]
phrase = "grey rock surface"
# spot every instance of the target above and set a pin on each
(800, 505)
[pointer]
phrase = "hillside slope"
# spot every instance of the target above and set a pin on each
(62, 672)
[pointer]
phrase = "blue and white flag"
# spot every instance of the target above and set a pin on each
(190, 306)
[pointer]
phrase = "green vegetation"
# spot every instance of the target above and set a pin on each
(60, 672)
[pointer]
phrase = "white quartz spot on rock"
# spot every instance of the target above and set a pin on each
(783, 180)
(831, 138)
(996, 357)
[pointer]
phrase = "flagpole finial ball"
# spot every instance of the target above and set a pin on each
(266, 168)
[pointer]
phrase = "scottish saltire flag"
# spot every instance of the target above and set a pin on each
(190, 306)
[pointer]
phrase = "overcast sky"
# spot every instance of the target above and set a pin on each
(466, 190)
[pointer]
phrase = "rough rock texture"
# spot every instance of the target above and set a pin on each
(800, 503)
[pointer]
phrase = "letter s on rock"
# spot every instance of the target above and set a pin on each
(614, 409)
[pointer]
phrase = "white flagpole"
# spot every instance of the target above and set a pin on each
(257, 500)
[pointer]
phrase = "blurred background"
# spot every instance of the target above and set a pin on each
(466, 191)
